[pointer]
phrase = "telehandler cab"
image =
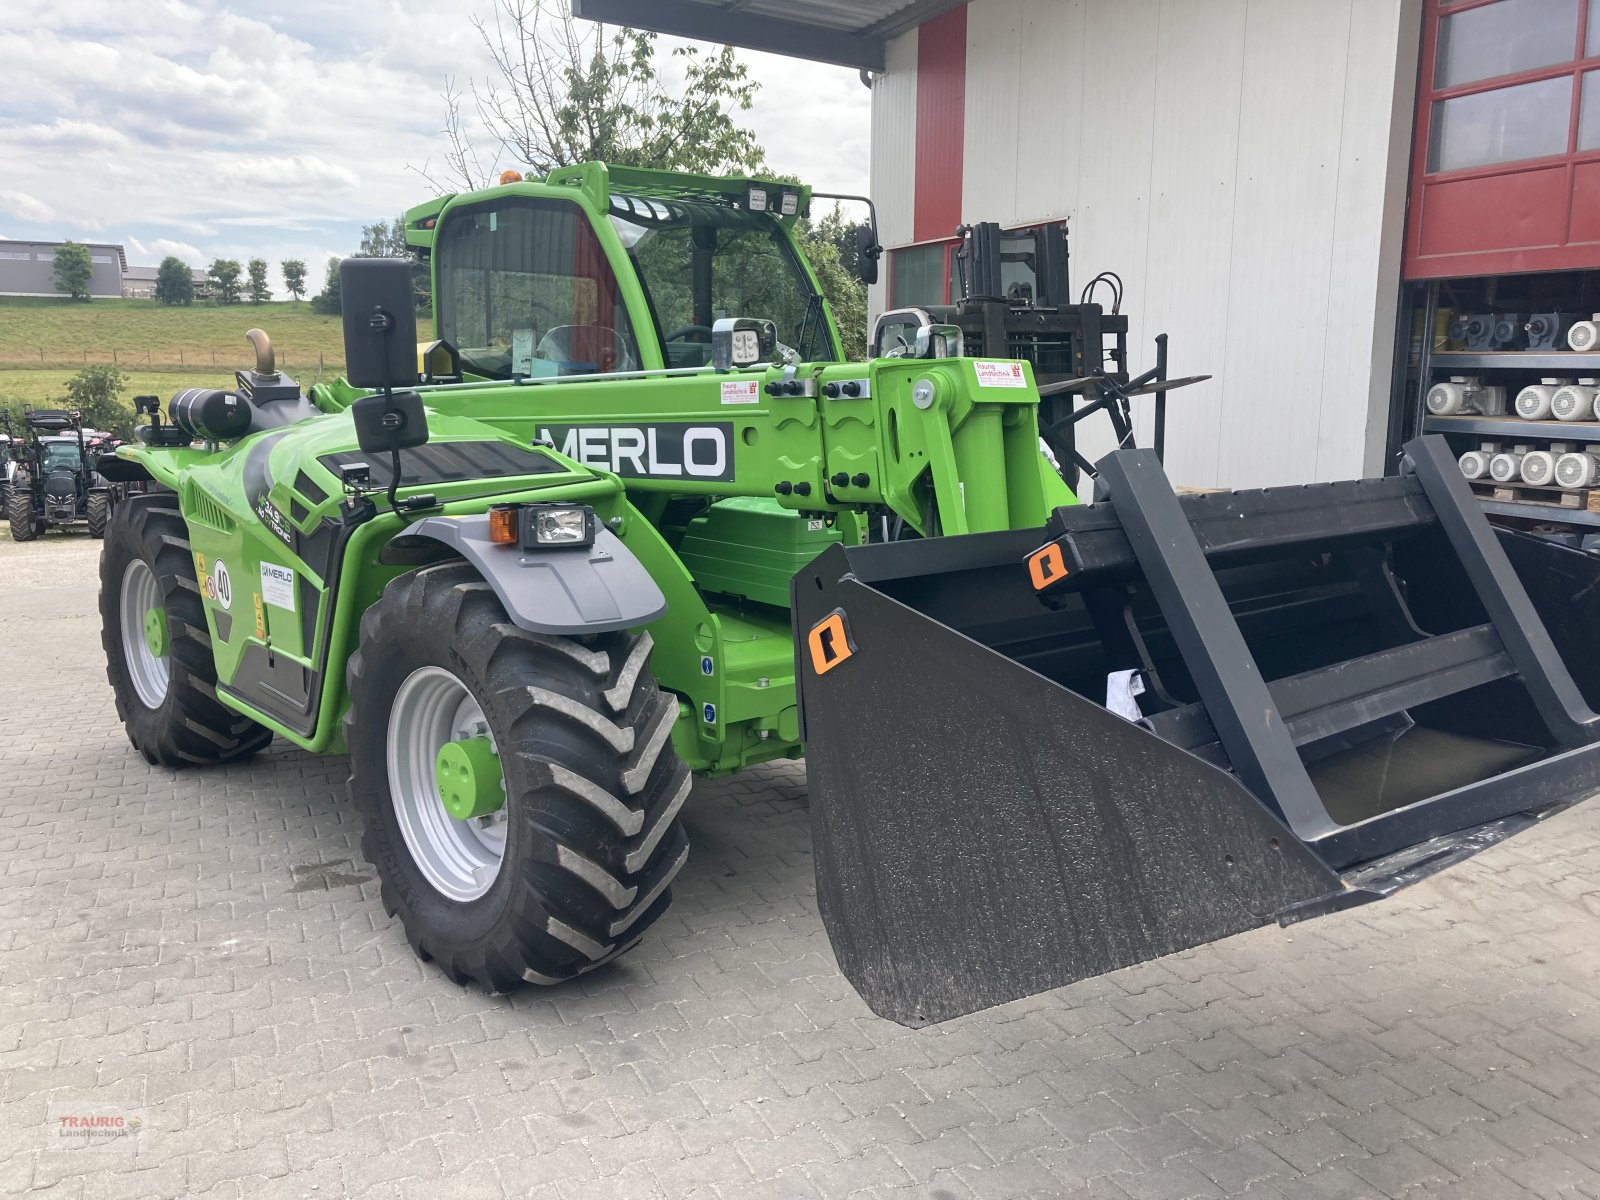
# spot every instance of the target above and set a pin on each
(628, 517)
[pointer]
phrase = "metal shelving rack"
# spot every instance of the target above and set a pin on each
(1432, 365)
(1566, 361)
(1515, 427)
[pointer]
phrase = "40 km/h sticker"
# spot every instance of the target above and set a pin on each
(219, 585)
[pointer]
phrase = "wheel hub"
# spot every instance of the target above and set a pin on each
(469, 779)
(155, 631)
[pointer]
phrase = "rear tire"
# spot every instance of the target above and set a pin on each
(168, 702)
(98, 514)
(19, 512)
(579, 861)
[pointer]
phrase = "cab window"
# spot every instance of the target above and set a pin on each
(526, 291)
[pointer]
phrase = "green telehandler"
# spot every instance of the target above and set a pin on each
(627, 517)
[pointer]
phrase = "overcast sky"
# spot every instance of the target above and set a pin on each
(223, 128)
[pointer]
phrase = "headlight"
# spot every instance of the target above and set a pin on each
(559, 525)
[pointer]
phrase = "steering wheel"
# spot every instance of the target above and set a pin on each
(567, 342)
(677, 335)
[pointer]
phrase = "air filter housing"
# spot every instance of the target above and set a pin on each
(1465, 395)
(1506, 467)
(1539, 468)
(1536, 402)
(1475, 464)
(1577, 470)
(1510, 331)
(1585, 335)
(1575, 402)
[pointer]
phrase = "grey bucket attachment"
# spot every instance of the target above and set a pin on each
(1337, 690)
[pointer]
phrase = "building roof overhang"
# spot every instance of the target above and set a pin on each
(848, 33)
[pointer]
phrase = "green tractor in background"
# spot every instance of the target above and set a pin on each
(54, 481)
(628, 517)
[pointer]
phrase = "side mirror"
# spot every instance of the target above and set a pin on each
(380, 322)
(868, 252)
(390, 423)
(940, 341)
(896, 333)
(742, 342)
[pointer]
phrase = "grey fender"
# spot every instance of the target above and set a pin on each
(558, 591)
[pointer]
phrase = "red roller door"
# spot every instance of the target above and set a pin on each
(1506, 166)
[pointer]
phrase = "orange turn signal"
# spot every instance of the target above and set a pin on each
(503, 526)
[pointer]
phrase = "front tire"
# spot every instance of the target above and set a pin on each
(578, 858)
(19, 513)
(98, 514)
(158, 649)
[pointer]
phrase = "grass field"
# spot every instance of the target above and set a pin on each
(44, 334)
(162, 349)
(38, 388)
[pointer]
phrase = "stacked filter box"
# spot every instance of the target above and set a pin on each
(1564, 465)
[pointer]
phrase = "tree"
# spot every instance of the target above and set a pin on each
(224, 275)
(824, 243)
(294, 277)
(562, 94)
(174, 281)
(96, 392)
(260, 293)
(328, 302)
(73, 269)
(386, 239)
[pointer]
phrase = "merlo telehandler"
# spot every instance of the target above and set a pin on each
(627, 516)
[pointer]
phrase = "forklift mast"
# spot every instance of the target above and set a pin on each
(1016, 301)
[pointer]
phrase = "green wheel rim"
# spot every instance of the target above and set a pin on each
(146, 647)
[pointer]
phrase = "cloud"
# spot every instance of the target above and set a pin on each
(24, 207)
(162, 247)
(206, 129)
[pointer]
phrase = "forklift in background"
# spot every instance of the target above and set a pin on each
(1016, 303)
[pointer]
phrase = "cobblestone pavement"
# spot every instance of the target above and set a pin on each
(206, 951)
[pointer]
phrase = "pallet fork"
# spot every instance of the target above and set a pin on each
(1340, 689)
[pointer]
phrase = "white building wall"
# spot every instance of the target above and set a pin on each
(894, 159)
(1241, 164)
